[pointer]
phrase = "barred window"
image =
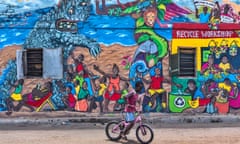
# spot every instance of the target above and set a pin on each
(43, 63)
(187, 62)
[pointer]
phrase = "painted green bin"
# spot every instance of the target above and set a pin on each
(177, 103)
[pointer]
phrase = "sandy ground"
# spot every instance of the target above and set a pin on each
(97, 136)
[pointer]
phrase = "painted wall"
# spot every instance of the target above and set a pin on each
(81, 55)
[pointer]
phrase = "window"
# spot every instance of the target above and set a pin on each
(46, 63)
(183, 63)
(187, 61)
(33, 62)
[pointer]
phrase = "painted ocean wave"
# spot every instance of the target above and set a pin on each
(105, 29)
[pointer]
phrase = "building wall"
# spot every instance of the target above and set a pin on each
(135, 36)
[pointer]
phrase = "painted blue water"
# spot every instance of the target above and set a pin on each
(105, 29)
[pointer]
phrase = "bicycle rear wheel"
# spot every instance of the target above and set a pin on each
(113, 130)
(144, 134)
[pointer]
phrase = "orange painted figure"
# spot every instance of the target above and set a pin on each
(113, 90)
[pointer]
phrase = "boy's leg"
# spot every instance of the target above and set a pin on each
(128, 128)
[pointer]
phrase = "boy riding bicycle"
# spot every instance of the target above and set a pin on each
(132, 98)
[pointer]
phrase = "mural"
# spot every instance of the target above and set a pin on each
(91, 56)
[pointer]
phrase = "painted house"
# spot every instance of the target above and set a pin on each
(191, 46)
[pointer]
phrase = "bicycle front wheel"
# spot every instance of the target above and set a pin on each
(113, 131)
(144, 134)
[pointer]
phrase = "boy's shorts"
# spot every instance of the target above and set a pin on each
(130, 116)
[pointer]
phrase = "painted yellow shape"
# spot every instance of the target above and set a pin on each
(48, 101)
(194, 103)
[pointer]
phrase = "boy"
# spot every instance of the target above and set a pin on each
(132, 98)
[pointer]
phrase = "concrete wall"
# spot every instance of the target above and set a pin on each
(132, 37)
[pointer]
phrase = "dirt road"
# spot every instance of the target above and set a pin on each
(224, 135)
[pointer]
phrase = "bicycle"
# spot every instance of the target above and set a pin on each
(114, 129)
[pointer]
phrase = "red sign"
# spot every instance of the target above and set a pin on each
(203, 31)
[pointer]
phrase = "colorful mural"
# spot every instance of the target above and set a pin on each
(92, 56)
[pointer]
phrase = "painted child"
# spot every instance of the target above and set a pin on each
(100, 88)
(69, 100)
(121, 102)
(225, 66)
(113, 88)
(82, 103)
(16, 96)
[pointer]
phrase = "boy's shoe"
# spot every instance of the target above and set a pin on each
(124, 137)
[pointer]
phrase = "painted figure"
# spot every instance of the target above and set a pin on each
(113, 88)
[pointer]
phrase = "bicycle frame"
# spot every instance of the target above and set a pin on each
(124, 123)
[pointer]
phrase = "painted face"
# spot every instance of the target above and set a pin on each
(150, 18)
(157, 71)
(68, 89)
(191, 86)
(151, 63)
(205, 9)
(227, 82)
(233, 51)
(210, 60)
(84, 85)
(224, 60)
(115, 70)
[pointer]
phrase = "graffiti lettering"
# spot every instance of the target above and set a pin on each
(187, 34)
(226, 19)
(208, 34)
(203, 34)
(200, 3)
